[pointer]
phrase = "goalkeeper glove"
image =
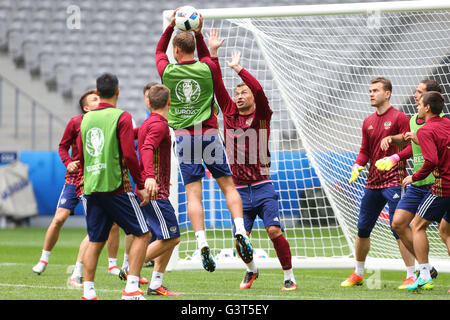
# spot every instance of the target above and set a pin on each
(356, 169)
(387, 163)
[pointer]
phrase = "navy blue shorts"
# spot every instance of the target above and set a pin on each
(412, 198)
(195, 150)
(372, 203)
(162, 220)
(260, 200)
(103, 210)
(434, 208)
(68, 198)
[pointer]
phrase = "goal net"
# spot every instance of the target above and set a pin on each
(315, 64)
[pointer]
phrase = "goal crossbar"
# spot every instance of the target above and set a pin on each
(321, 9)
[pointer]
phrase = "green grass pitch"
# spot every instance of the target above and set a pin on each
(20, 249)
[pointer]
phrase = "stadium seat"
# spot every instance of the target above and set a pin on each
(117, 36)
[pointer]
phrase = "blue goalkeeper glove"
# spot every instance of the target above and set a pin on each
(387, 163)
(356, 170)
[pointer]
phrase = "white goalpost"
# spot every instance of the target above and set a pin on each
(315, 63)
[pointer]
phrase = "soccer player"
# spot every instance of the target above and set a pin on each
(193, 118)
(68, 199)
(434, 141)
(129, 238)
(415, 193)
(249, 117)
(107, 141)
(381, 186)
(154, 144)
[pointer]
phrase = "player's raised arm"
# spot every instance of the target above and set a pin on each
(223, 98)
(214, 42)
(162, 60)
(263, 110)
(235, 62)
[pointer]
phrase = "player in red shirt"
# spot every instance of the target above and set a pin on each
(154, 145)
(381, 186)
(68, 199)
(248, 118)
(198, 143)
(434, 141)
(414, 194)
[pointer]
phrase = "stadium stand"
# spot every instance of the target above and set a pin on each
(115, 36)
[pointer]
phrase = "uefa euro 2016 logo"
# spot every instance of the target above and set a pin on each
(187, 91)
(95, 141)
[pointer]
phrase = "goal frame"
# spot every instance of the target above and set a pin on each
(443, 265)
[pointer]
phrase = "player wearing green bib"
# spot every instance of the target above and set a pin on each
(102, 169)
(106, 144)
(415, 193)
(192, 115)
(191, 85)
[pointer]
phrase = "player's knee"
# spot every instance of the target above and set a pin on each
(227, 186)
(273, 232)
(397, 226)
(419, 224)
(364, 233)
(444, 230)
(58, 221)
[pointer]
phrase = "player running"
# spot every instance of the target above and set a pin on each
(249, 117)
(434, 141)
(381, 187)
(192, 116)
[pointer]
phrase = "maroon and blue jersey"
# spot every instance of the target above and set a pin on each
(246, 136)
(154, 145)
(374, 129)
(434, 140)
(68, 141)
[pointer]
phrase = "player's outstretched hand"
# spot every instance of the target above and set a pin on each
(213, 41)
(235, 62)
(387, 163)
(356, 170)
(406, 181)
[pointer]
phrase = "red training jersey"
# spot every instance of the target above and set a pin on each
(375, 128)
(154, 145)
(246, 136)
(434, 140)
(68, 141)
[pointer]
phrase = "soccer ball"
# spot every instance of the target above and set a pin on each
(187, 18)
